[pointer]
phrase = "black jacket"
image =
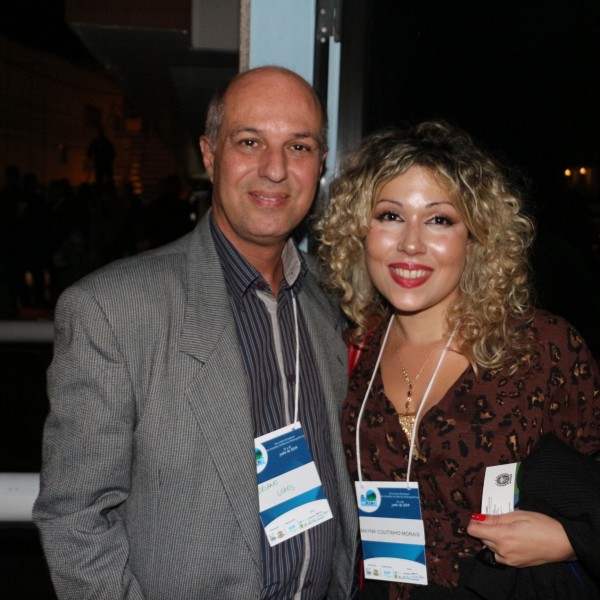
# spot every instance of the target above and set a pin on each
(562, 483)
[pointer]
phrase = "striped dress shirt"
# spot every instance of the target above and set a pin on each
(300, 566)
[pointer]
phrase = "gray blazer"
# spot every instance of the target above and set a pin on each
(148, 483)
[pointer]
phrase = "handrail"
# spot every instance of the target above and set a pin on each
(26, 332)
(18, 492)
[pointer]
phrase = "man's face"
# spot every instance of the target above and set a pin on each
(267, 161)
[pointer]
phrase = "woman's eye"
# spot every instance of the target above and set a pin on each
(388, 215)
(441, 220)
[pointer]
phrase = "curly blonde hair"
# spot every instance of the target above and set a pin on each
(494, 290)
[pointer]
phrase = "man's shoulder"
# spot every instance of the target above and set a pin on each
(314, 275)
(315, 266)
(156, 267)
(318, 295)
(148, 268)
(156, 274)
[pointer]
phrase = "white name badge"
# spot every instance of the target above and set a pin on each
(391, 530)
(500, 490)
(291, 497)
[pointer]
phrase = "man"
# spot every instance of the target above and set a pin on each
(167, 367)
(101, 153)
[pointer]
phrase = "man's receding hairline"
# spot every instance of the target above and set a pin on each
(320, 109)
(241, 77)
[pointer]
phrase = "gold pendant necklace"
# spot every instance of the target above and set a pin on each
(407, 420)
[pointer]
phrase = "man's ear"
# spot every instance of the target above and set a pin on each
(323, 161)
(208, 156)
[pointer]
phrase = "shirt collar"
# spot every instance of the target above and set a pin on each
(241, 276)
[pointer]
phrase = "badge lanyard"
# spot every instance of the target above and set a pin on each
(419, 411)
(297, 386)
(291, 496)
(390, 520)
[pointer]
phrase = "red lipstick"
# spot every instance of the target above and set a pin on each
(410, 275)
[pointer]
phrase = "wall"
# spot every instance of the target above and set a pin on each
(50, 110)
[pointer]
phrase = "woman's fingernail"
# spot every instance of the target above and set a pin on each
(478, 517)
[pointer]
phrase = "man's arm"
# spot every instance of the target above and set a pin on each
(87, 457)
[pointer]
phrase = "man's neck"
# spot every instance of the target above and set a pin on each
(269, 264)
(266, 258)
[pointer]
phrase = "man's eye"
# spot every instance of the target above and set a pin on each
(301, 148)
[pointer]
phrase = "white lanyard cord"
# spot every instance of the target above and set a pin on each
(297, 386)
(422, 405)
(364, 402)
(418, 415)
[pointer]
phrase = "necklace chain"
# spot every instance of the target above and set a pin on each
(411, 384)
(407, 420)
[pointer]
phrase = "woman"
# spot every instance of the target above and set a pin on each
(427, 245)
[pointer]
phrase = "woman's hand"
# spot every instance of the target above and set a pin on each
(522, 538)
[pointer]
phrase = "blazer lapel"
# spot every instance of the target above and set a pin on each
(325, 326)
(218, 392)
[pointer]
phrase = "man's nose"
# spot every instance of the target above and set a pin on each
(273, 164)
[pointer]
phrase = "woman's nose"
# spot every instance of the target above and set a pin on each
(412, 241)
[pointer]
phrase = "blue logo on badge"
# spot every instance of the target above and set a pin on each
(369, 500)
(262, 458)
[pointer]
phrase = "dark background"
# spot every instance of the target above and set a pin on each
(522, 76)
(40, 24)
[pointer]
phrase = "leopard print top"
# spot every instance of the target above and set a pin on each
(481, 421)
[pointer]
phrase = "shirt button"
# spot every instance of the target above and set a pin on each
(291, 378)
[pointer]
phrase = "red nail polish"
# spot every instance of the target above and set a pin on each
(478, 517)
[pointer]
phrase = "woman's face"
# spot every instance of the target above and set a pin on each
(417, 245)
